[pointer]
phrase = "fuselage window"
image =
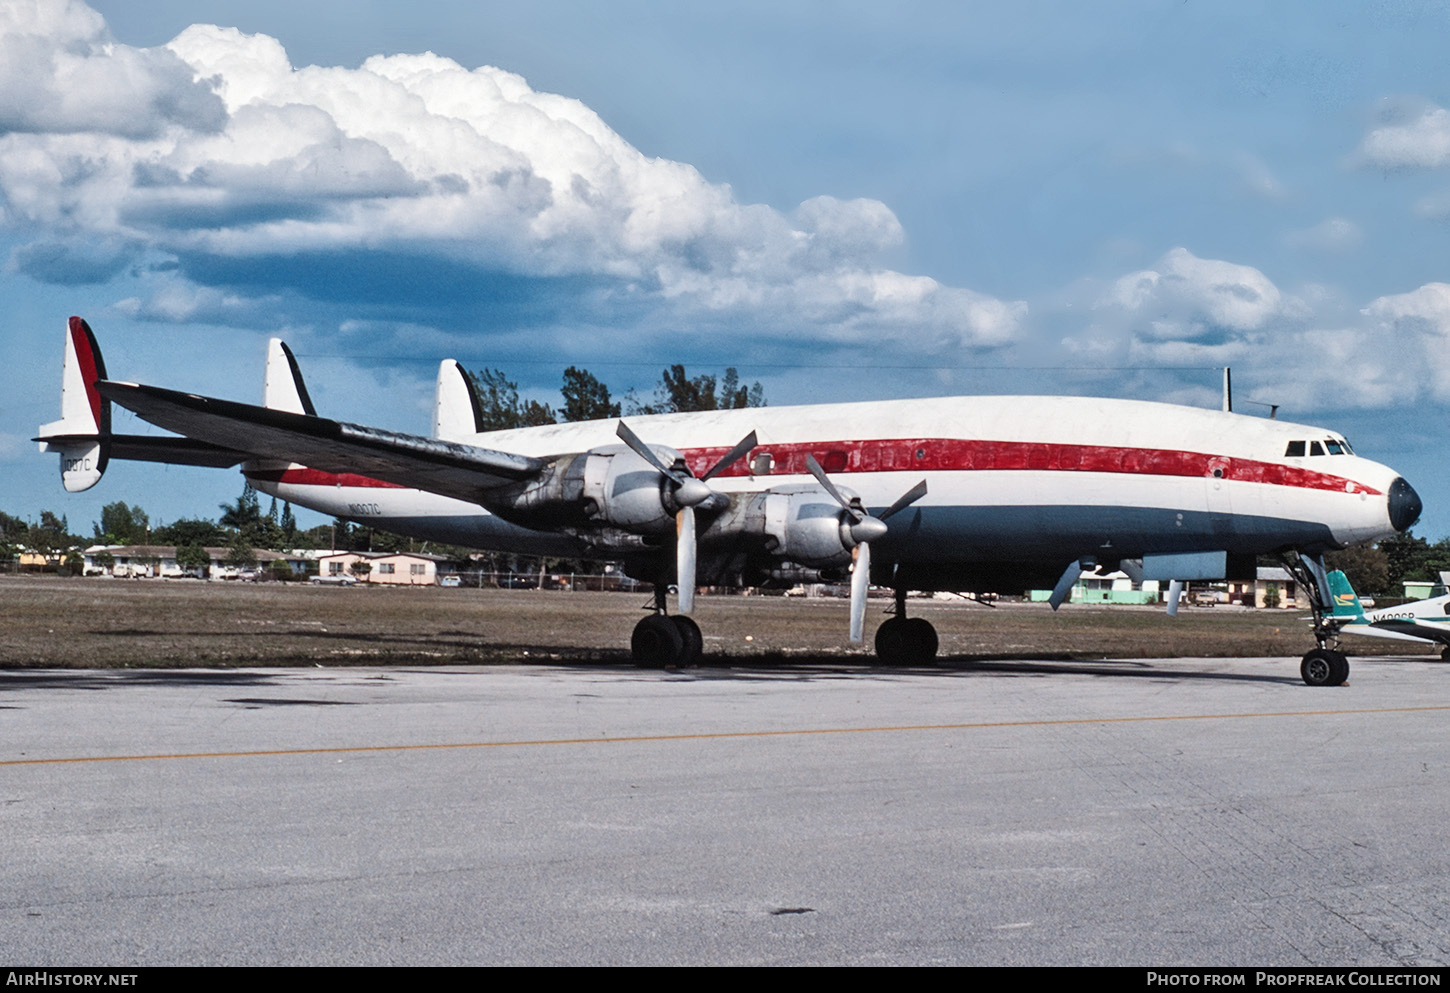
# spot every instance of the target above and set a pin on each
(1315, 448)
(1334, 447)
(1295, 450)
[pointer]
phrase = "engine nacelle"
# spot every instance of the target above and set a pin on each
(604, 488)
(798, 524)
(623, 490)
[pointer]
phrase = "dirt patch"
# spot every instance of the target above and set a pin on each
(100, 623)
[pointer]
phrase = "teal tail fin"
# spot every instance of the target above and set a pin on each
(1346, 602)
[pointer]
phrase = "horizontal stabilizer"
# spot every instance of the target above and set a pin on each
(461, 471)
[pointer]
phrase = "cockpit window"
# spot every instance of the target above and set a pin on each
(1347, 448)
(1295, 450)
(1335, 448)
(1315, 448)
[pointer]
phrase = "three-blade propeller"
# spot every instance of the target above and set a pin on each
(687, 492)
(863, 529)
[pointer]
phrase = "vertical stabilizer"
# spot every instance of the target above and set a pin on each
(1345, 600)
(457, 413)
(82, 435)
(284, 389)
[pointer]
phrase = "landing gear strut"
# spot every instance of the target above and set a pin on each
(905, 641)
(1325, 665)
(662, 641)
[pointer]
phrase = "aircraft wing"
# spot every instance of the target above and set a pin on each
(447, 468)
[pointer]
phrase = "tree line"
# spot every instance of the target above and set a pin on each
(585, 398)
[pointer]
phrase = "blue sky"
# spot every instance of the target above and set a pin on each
(846, 201)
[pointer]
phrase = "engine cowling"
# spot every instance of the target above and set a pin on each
(606, 487)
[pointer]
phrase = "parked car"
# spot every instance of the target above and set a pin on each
(341, 579)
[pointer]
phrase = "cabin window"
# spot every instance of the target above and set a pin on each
(1295, 450)
(762, 464)
(1315, 448)
(1334, 447)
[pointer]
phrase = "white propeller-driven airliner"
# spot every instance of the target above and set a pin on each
(964, 494)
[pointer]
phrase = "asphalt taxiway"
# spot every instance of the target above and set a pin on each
(1156, 812)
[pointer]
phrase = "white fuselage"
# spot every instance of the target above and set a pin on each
(1023, 479)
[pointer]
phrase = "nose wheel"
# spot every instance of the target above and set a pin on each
(1324, 667)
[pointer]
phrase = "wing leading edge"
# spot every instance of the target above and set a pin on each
(447, 468)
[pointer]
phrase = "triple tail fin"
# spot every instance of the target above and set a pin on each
(82, 436)
(457, 411)
(284, 388)
(1345, 600)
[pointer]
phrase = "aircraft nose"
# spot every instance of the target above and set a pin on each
(1405, 505)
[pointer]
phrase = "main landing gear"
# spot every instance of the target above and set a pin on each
(664, 641)
(905, 641)
(1325, 665)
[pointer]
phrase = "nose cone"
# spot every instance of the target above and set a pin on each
(1405, 505)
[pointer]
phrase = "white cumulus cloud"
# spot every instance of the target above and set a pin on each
(1183, 297)
(1409, 139)
(250, 171)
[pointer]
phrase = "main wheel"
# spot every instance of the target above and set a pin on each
(656, 642)
(921, 640)
(1324, 667)
(891, 641)
(1445, 654)
(902, 641)
(692, 642)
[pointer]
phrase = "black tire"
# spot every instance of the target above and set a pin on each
(921, 640)
(692, 642)
(656, 642)
(1324, 667)
(1445, 654)
(891, 641)
(905, 641)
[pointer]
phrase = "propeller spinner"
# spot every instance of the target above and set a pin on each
(862, 530)
(686, 492)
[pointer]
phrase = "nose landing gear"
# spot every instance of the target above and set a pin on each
(1325, 665)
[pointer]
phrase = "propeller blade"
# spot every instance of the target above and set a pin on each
(685, 559)
(830, 487)
(731, 457)
(639, 448)
(860, 579)
(905, 500)
(1175, 591)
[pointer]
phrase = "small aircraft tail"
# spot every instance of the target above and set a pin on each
(1346, 601)
(82, 436)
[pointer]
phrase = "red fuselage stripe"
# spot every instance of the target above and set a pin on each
(955, 455)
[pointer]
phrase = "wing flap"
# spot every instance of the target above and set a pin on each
(452, 469)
